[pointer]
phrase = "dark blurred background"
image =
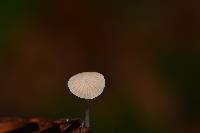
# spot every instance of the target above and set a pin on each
(149, 52)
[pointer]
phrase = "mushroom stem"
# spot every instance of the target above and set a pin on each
(87, 114)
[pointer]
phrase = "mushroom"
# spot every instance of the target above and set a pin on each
(87, 85)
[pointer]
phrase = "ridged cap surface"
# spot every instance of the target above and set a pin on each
(87, 85)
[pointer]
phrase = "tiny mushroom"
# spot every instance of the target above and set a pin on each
(87, 85)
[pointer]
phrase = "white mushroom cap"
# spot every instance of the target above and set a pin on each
(87, 85)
